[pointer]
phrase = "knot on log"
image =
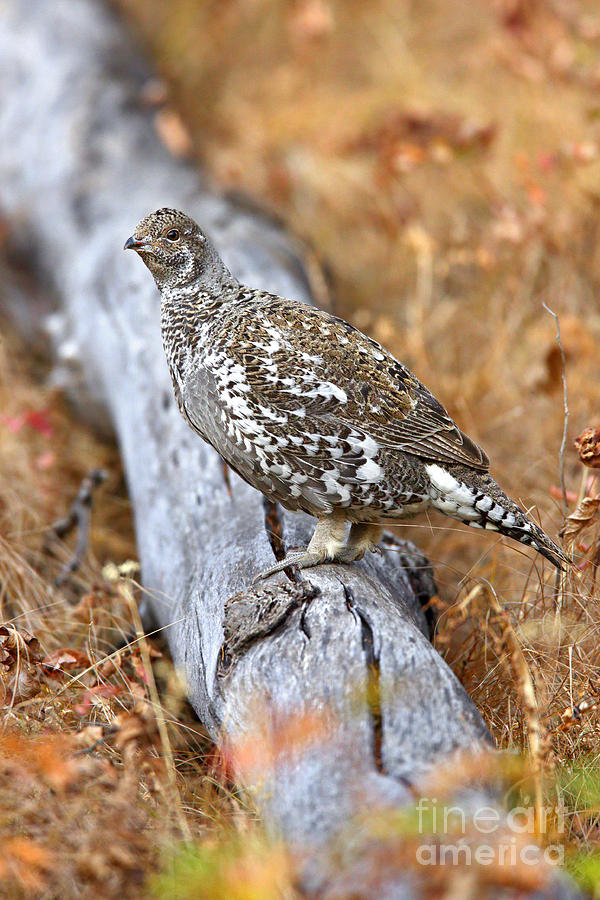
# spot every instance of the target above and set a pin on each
(252, 615)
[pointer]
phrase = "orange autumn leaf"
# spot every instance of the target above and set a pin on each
(24, 861)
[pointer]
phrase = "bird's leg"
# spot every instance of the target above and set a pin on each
(328, 540)
(363, 536)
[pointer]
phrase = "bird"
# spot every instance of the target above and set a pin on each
(310, 411)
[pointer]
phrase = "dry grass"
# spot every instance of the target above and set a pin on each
(443, 161)
(98, 781)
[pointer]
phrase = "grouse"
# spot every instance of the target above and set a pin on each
(310, 411)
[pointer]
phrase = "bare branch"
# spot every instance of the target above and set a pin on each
(78, 517)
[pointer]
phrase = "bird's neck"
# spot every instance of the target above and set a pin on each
(187, 311)
(201, 296)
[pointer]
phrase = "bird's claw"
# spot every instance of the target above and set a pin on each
(302, 559)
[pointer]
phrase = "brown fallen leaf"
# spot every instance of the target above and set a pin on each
(581, 518)
(544, 369)
(63, 660)
(588, 447)
(19, 665)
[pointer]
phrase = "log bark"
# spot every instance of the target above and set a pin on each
(333, 677)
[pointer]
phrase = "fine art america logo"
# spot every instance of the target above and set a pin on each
(485, 836)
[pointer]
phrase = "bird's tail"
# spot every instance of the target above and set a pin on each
(475, 499)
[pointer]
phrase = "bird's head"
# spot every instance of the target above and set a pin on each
(174, 248)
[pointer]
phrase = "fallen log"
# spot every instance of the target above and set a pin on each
(340, 660)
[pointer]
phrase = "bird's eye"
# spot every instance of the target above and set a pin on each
(172, 234)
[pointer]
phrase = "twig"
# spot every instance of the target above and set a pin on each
(79, 516)
(563, 375)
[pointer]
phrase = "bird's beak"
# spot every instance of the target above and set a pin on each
(132, 243)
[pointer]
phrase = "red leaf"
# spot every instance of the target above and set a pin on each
(40, 421)
(66, 659)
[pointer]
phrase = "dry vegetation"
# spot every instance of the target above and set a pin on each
(442, 160)
(96, 787)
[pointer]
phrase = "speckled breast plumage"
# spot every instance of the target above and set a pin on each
(303, 406)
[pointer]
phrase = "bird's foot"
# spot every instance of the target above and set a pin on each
(329, 543)
(302, 559)
(354, 552)
(328, 538)
(363, 537)
(306, 559)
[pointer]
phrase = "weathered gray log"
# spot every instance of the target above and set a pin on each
(80, 164)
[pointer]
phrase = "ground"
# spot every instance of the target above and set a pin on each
(440, 163)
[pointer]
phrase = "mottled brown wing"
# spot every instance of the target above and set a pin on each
(428, 431)
(384, 399)
(423, 428)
